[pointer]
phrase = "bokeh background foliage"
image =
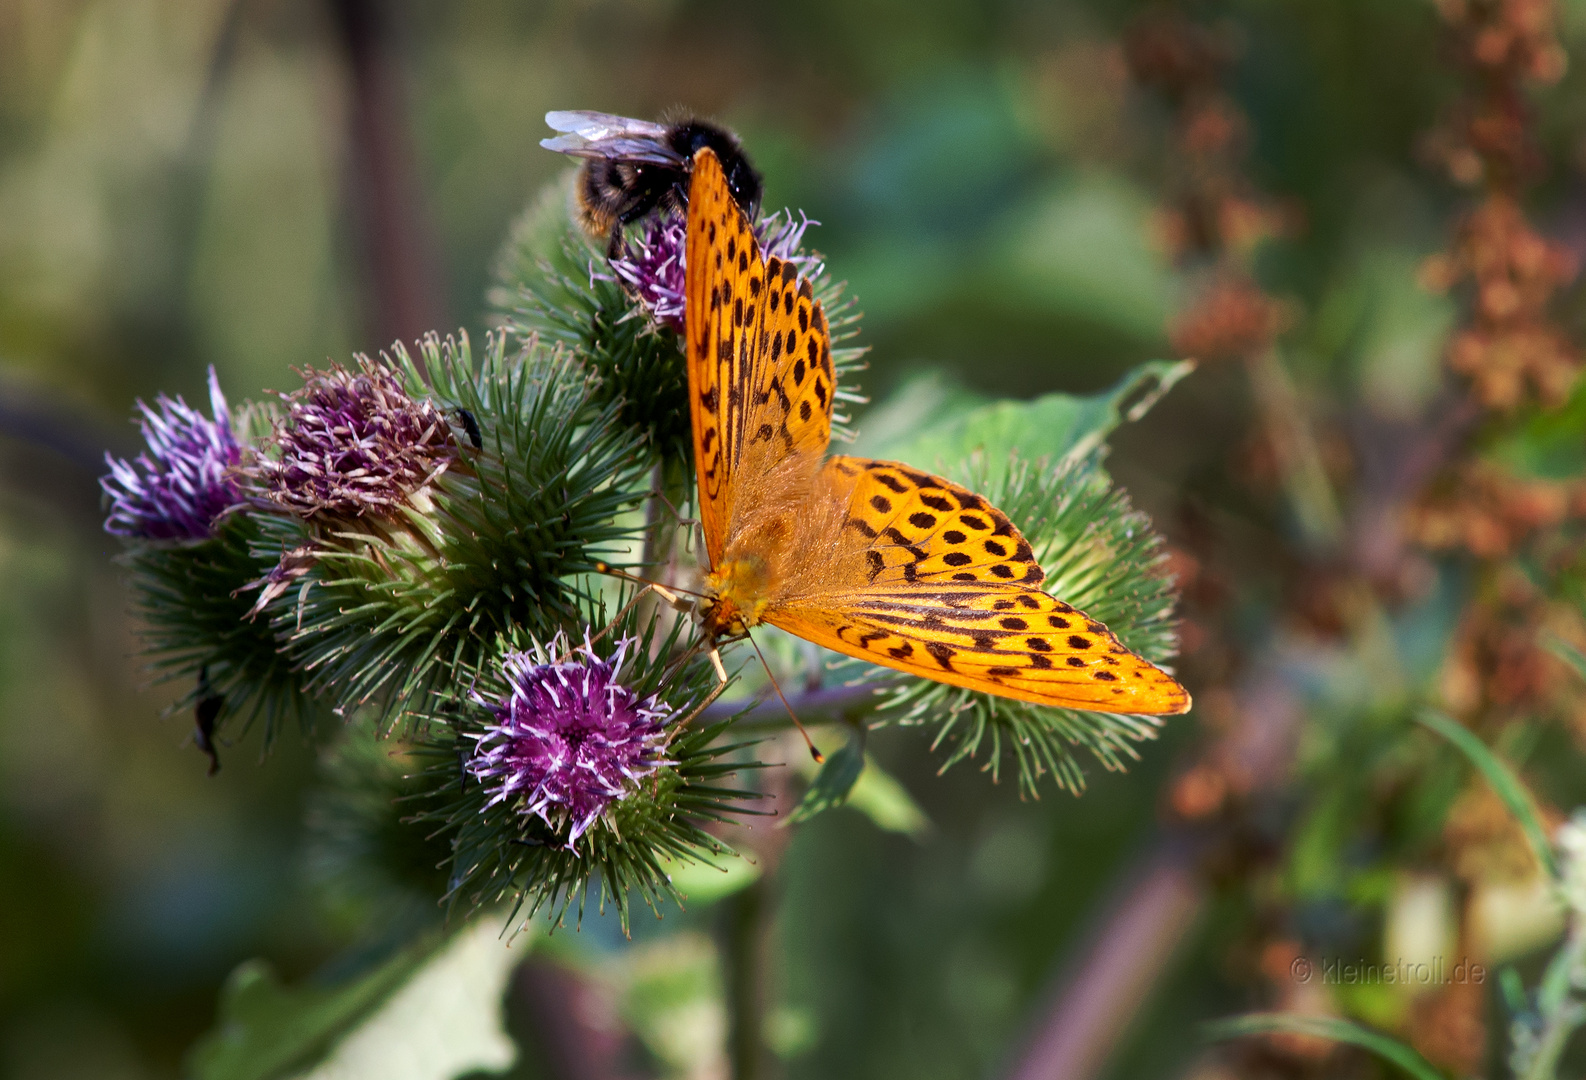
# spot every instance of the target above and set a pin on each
(261, 184)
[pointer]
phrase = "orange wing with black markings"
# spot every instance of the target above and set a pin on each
(759, 353)
(951, 591)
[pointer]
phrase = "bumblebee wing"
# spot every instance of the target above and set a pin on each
(598, 125)
(602, 135)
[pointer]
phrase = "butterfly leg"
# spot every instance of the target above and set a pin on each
(693, 525)
(660, 590)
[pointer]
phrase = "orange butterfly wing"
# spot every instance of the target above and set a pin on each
(759, 353)
(950, 591)
(885, 563)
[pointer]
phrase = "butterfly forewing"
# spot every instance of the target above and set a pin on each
(759, 353)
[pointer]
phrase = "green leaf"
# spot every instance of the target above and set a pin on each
(1549, 445)
(834, 782)
(880, 797)
(1503, 781)
(707, 876)
(1564, 651)
(924, 402)
(1326, 1027)
(1060, 427)
(429, 1013)
(266, 1029)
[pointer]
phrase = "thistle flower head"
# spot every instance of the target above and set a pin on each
(651, 265)
(568, 739)
(353, 443)
(182, 484)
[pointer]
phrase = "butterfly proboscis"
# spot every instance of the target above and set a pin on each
(714, 653)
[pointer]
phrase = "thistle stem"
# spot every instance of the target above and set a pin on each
(1310, 491)
(747, 921)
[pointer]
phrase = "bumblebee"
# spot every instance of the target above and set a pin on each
(632, 167)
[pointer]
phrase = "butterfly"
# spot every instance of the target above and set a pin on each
(872, 559)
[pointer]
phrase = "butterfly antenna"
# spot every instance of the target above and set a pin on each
(814, 753)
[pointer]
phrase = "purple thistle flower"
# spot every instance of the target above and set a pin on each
(651, 267)
(351, 443)
(568, 739)
(182, 484)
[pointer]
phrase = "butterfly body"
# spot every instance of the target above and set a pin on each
(873, 559)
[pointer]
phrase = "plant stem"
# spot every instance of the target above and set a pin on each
(399, 258)
(747, 917)
(1310, 492)
(1561, 1012)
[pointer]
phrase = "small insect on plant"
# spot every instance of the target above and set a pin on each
(633, 167)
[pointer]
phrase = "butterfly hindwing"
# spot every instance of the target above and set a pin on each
(943, 585)
(924, 528)
(759, 352)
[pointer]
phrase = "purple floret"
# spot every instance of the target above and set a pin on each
(651, 267)
(182, 484)
(568, 739)
(352, 443)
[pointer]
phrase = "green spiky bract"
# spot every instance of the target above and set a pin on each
(500, 853)
(370, 865)
(546, 288)
(195, 626)
(1100, 556)
(392, 609)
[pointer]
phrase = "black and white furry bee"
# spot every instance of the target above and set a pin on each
(632, 167)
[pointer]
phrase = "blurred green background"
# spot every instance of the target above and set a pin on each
(181, 184)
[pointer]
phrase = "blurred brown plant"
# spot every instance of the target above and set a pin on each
(1449, 1027)
(1212, 213)
(1484, 843)
(1503, 45)
(1509, 350)
(1484, 509)
(1231, 317)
